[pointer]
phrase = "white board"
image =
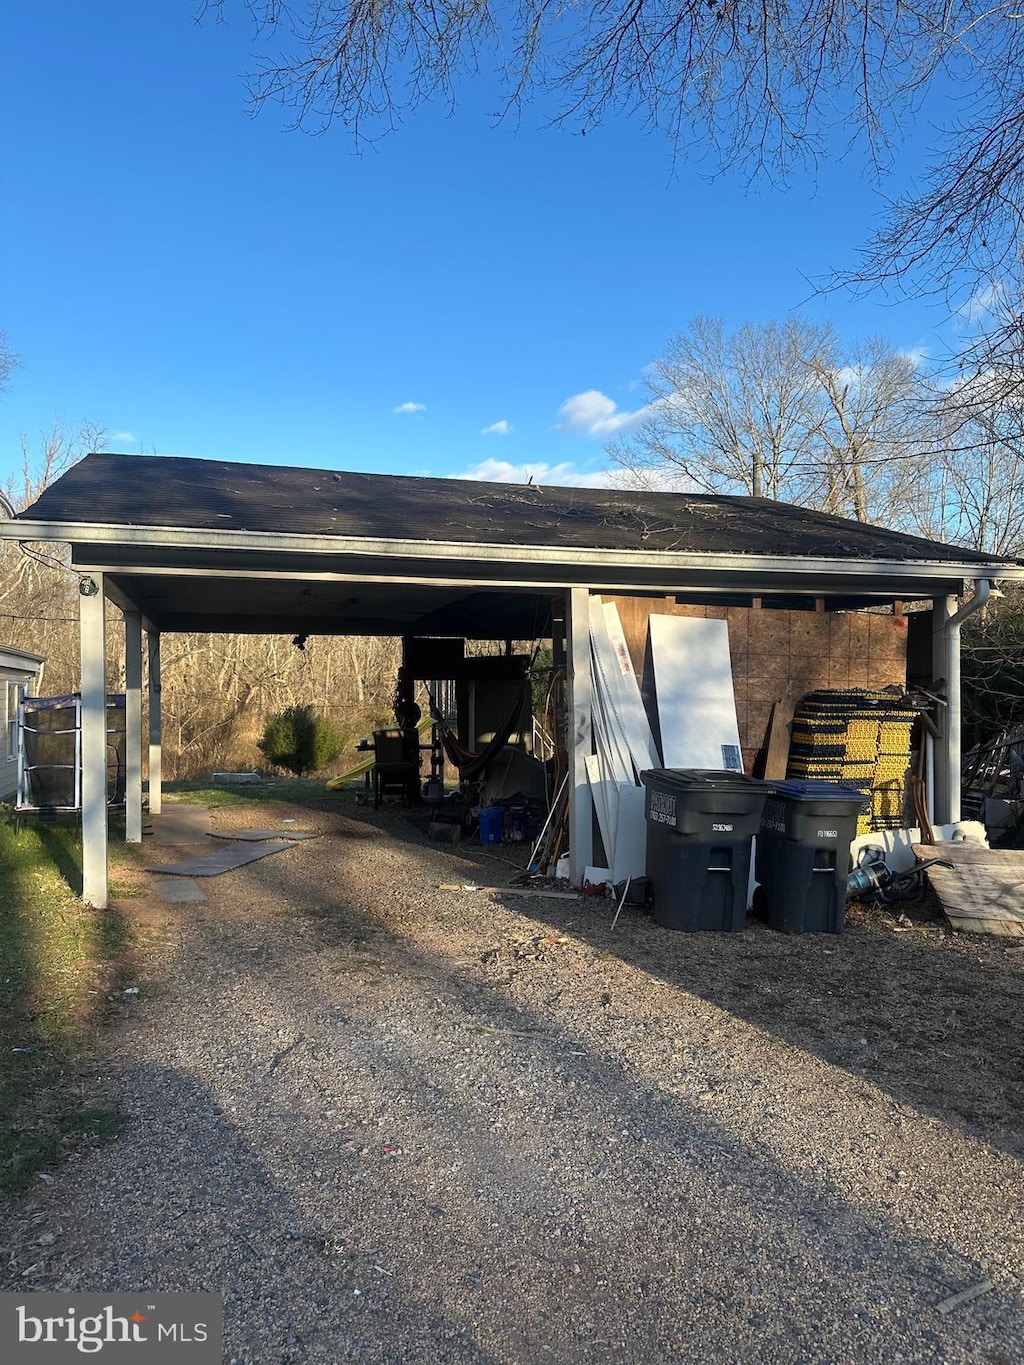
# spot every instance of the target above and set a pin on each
(608, 739)
(607, 702)
(636, 727)
(693, 686)
(605, 795)
(630, 834)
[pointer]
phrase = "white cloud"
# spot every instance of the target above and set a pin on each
(593, 413)
(410, 407)
(501, 428)
(986, 299)
(128, 436)
(849, 376)
(565, 475)
(917, 355)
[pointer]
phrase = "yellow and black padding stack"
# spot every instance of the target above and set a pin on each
(861, 739)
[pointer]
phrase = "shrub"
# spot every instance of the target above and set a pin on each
(301, 739)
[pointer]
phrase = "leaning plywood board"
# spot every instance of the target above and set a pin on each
(984, 892)
(693, 686)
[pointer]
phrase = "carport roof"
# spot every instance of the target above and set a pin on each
(212, 545)
(160, 491)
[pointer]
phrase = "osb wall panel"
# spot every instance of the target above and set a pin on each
(775, 652)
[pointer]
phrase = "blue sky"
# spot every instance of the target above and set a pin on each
(461, 298)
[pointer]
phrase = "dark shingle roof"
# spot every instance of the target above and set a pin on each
(164, 491)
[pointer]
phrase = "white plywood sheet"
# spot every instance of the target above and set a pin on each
(694, 690)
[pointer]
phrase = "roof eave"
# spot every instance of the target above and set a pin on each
(97, 535)
(21, 656)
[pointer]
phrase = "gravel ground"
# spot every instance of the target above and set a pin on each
(393, 1123)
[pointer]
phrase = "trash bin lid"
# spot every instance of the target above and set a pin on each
(797, 789)
(702, 779)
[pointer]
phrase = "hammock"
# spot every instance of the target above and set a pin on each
(469, 764)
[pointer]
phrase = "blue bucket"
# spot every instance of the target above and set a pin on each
(492, 821)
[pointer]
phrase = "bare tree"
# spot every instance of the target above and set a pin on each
(781, 410)
(976, 483)
(875, 428)
(9, 361)
(751, 81)
(38, 597)
(732, 413)
(56, 451)
(752, 86)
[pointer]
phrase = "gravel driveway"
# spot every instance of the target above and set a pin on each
(393, 1123)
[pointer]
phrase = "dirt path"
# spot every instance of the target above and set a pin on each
(390, 1123)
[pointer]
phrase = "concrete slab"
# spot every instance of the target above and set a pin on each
(177, 890)
(223, 859)
(259, 835)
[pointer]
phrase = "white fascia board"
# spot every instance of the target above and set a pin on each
(752, 566)
(20, 659)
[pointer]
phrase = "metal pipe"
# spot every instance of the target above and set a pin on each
(982, 592)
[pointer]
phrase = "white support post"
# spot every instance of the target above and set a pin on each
(581, 803)
(155, 724)
(946, 665)
(133, 727)
(92, 626)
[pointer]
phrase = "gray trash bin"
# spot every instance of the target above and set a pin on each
(803, 855)
(700, 822)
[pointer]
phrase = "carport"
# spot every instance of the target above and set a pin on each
(200, 545)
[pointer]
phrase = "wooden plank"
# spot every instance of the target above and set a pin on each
(984, 892)
(777, 754)
(510, 891)
(976, 855)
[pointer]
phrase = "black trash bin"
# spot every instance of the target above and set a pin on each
(700, 822)
(803, 855)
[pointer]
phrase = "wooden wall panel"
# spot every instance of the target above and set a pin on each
(775, 652)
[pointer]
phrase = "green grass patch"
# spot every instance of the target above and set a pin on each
(293, 789)
(59, 959)
(24, 1151)
(103, 1125)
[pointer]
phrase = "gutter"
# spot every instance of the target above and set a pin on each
(981, 596)
(746, 566)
